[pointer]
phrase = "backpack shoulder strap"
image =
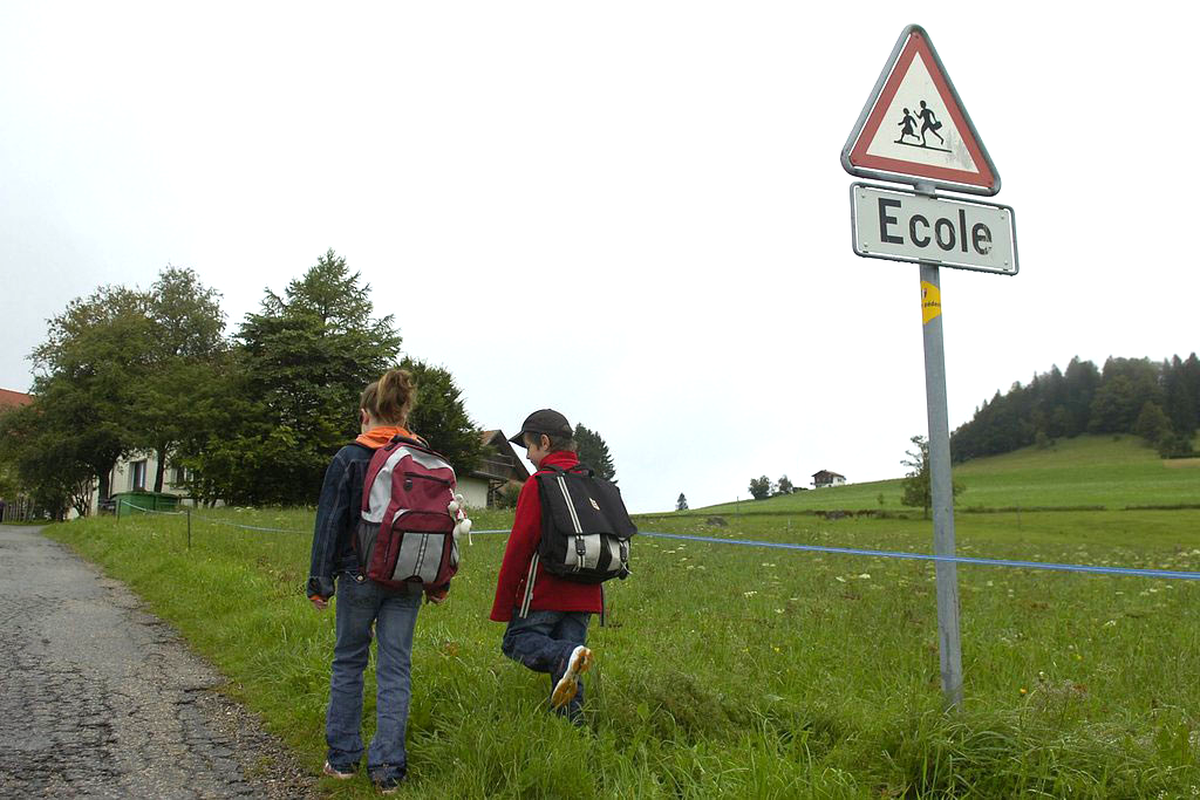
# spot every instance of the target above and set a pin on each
(578, 469)
(414, 439)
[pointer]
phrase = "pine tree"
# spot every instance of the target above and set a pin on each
(681, 503)
(440, 416)
(594, 452)
(302, 361)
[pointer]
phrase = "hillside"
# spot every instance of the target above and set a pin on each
(1158, 401)
(1089, 470)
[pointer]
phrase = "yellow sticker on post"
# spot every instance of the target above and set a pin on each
(931, 302)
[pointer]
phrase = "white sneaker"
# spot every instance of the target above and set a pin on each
(333, 772)
(567, 686)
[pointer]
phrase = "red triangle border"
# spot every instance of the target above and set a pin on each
(859, 157)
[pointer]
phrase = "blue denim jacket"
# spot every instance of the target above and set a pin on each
(337, 515)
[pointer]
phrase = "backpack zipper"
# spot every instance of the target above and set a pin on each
(410, 475)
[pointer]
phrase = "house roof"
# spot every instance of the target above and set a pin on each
(827, 473)
(502, 463)
(10, 399)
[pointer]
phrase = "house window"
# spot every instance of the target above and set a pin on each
(180, 476)
(139, 475)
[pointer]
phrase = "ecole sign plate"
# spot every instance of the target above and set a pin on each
(914, 128)
(900, 225)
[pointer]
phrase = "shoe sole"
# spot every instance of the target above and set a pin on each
(333, 773)
(566, 688)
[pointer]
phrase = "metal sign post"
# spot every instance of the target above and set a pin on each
(915, 129)
(941, 487)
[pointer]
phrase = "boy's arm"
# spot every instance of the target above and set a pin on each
(333, 512)
(522, 542)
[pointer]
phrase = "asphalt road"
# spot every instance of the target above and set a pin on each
(99, 699)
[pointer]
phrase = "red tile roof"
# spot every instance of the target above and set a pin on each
(10, 399)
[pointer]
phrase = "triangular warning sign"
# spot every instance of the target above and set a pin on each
(915, 129)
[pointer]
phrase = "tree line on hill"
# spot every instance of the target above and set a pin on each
(252, 418)
(761, 487)
(1158, 401)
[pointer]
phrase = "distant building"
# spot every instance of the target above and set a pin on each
(136, 473)
(10, 399)
(499, 467)
(18, 505)
(826, 478)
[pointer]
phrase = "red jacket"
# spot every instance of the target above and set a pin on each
(550, 592)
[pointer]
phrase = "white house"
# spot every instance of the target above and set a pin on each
(136, 473)
(499, 466)
(826, 478)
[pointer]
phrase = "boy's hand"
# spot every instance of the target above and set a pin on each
(438, 596)
(319, 603)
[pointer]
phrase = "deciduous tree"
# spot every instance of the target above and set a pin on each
(186, 355)
(89, 372)
(917, 490)
(760, 487)
(1152, 424)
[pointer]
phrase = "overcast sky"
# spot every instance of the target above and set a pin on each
(633, 212)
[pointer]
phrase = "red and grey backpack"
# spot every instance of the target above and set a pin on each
(405, 535)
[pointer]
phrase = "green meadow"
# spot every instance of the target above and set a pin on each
(1112, 472)
(739, 671)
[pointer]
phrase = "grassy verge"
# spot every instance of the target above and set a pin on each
(743, 672)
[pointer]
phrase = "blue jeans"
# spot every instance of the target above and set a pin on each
(544, 641)
(395, 617)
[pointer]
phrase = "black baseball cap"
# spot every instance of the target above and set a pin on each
(547, 421)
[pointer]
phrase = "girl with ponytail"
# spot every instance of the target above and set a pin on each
(363, 604)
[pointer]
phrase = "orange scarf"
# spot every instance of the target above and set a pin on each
(378, 437)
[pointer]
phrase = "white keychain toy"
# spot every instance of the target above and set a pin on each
(462, 525)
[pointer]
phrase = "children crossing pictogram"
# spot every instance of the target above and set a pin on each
(929, 124)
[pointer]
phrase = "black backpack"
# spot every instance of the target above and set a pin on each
(585, 527)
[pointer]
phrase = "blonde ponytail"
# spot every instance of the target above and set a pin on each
(390, 399)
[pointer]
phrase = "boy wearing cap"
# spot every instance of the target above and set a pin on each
(547, 627)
